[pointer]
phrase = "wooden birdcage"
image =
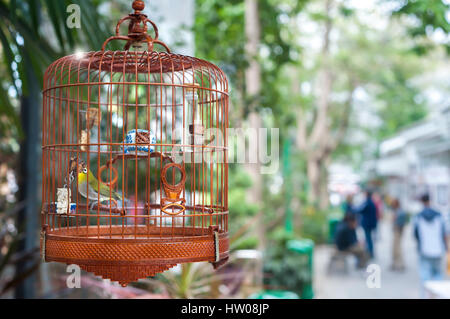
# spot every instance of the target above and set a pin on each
(135, 166)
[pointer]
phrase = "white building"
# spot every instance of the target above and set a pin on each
(417, 160)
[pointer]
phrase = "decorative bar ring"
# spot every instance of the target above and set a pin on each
(155, 28)
(113, 182)
(149, 40)
(173, 204)
(129, 17)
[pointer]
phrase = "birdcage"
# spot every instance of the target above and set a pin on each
(135, 166)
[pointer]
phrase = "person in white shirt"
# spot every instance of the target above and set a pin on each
(429, 230)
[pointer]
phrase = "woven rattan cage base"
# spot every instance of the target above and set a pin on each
(128, 253)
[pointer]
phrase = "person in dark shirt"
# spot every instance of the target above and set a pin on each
(346, 240)
(368, 214)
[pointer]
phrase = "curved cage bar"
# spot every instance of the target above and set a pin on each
(135, 167)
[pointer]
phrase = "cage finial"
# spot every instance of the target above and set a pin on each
(138, 6)
(137, 29)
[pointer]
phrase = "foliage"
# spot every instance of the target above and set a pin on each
(225, 21)
(402, 104)
(250, 242)
(429, 16)
(239, 181)
(199, 280)
(23, 37)
(191, 281)
(314, 225)
(383, 68)
(9, 255)
(283, 269)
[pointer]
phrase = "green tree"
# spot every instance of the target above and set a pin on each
(322, 90)
(26, 37)
(429, 16)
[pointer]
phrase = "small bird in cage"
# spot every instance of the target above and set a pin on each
(86, 177)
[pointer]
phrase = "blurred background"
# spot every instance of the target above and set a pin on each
(360, 91)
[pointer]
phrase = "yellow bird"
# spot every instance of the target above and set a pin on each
(96, 192)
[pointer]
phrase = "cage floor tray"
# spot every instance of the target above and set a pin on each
(116, 253)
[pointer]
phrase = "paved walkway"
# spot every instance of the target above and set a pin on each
(353, 285)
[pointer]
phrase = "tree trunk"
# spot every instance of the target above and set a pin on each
(323, 195)
(253, 88)
(316, 146)
(313, 171)
(27, 219)
(319, 145)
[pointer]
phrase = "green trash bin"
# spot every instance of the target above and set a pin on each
(304, 247)
(333, 221)
(274, 294)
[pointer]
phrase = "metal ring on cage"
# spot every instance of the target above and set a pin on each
(164, 173)
(113, 181)
(171, 190)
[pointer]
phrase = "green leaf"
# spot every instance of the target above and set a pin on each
(9, 56)
(53, 12)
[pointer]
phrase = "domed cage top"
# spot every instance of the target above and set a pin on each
(135, 167)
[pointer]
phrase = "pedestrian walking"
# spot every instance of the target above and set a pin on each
(429, 230)
(368, 214)
(378, 201)
(399, 222)
(379, 205)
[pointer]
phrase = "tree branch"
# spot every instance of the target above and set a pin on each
(325, 81)
(301, 131)
(344, 121)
